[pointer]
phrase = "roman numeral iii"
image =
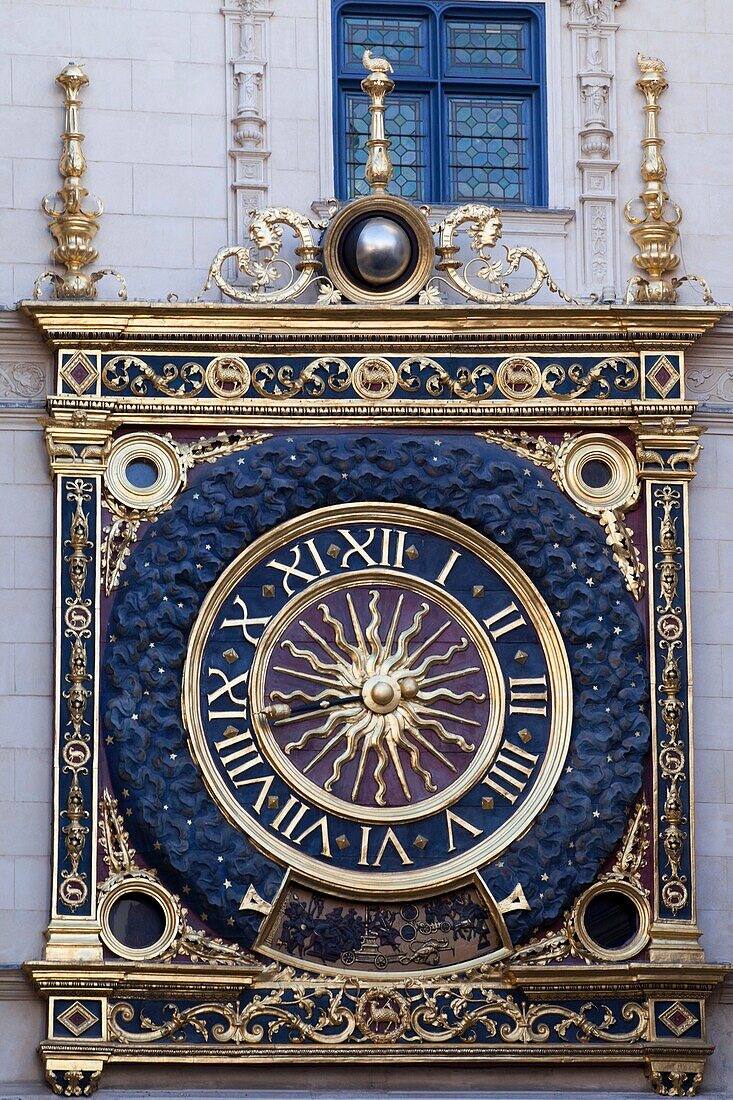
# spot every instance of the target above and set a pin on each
(526, 695)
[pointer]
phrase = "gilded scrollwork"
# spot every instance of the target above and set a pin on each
(557, 458)
(672, 761)
(623, 372)
(121, 533)
(121, 371)
(326, 372)
(272, 278)
(269, 277)
(331, 1014)
(76, 751)
(484, 230)
(517, 378)
(119, 856)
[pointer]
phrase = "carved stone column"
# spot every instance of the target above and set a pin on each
(667, 451)
(246, 25)
(593, 27)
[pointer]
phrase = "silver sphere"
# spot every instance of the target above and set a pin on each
(381, 250)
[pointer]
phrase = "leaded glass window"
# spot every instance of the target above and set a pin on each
(467, 117)
(405, 120)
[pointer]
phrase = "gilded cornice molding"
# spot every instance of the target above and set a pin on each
(220, 325)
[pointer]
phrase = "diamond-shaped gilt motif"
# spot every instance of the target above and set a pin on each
(77, 1019)
(78, 372)
(663, 376)
(678, 1019)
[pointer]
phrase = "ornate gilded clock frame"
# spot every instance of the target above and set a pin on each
(179, 391)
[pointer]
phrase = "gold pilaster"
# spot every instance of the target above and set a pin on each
(667, 451)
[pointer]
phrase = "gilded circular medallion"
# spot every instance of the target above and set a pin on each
(377, 696)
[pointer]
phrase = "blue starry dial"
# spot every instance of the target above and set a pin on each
(378, 696)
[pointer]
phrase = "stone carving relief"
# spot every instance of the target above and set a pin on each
(21, 382)
(592, 25)
(246, 26)
(712, 387)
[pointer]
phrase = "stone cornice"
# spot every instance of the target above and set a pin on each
(24, 363)
(14, 985)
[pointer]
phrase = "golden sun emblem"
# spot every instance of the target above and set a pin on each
(383, 696)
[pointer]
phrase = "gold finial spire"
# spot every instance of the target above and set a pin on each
(72, 226)
(377, 85)
(654, 234)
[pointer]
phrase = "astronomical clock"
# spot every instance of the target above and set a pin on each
(373, 662)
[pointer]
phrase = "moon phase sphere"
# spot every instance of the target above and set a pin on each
(378, 250)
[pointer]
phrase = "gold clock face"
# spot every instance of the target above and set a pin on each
(378, 697)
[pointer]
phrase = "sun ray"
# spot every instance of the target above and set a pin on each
(337, 657)
(414, 753)
(438, 659)
(308, 675)
(389, 640)
(437, 727)
(380, 739)
(330, 744)
(306, 655)
(446, 714)
(428, 642)
(382, 762)
(333, 719)
(340, 637)
(405, 638)
(357, 732)
(417, 736)
(358, 632)
(448, 675)
(372, 630)
(445, 693)
(288, 696)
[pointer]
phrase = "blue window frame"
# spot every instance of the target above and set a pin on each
(467, 118)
